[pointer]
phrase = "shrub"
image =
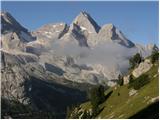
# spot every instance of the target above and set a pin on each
(154, 56)
(131, 79)
(96, 97)
(120, 80)
(139, 82)
(135, 60)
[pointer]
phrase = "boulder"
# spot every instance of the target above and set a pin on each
(132, 92)
(126, 79)
(142, 68)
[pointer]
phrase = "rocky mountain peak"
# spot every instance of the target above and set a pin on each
(110, 32)
(51, 31)
(86, 22)
(10, 24)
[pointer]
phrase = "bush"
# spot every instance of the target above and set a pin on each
(139, 82)
(131, 79)
(120, 80)
(154, 56)
(135, 60)
(96, 97)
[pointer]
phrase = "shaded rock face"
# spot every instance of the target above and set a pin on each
(10, 24)
(58, 97)
(75, 30)
(54, 69)
(86, 22)
(142, 68)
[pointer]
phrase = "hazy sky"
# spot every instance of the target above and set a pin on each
(137, 20)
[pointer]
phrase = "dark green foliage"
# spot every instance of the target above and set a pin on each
(154, 56)
(135, 60)
(139, 82)
(120, 80)
(15, 109)
(131, 79)
(96, 96)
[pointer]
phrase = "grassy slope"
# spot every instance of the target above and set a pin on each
(123, 106)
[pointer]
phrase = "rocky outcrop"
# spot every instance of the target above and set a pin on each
(132, 92)
(142, 68)
(126, 79)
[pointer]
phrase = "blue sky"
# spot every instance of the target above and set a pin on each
(137, 20)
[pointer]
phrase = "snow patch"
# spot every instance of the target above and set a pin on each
(83, 28)
(48, 32)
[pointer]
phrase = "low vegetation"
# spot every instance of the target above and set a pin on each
(135, 60)
(14, 109)
(139, 82)
(96, 97)
(154, 56)
(120, 80)
(119, 103)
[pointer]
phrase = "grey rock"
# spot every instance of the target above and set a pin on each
(51, 31)
(132, 92)
(126, 79)
(85, 21)
(142, 68)
(9, 24)
(109, 33)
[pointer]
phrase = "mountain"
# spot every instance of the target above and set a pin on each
(14, 35)
(10, 24)
(86, 22)
(110, 33)
(61, 60)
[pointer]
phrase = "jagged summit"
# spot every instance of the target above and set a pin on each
(9, 23)
(85, 21)
(110, 32)
(52, 30)
(14, 35)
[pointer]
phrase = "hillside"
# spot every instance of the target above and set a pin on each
(118, 103)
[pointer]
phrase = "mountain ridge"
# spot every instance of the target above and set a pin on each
(61, 60)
